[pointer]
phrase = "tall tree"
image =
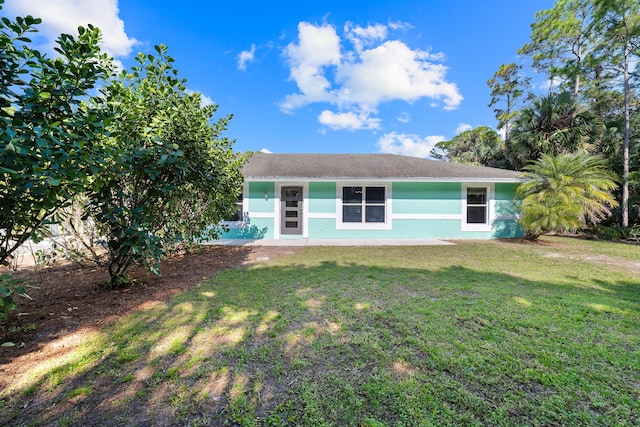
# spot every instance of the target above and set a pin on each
(559, 41)
(616, 31)
(562, 193)
(170, 177)
(507, 87)
(48, 133)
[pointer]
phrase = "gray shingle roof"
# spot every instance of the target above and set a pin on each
(364, 166)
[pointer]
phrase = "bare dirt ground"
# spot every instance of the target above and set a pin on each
(69, 299)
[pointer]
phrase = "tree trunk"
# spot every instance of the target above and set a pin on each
(117, 267)
(578, 53)
(625, 146)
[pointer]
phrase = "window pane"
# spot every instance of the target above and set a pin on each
(237, 216)
(476, 215)
(291, 203)
(291, 214)
(476, 196)
(374, 214)
(291, 224)
(351, 194)
(375, 194)
(292, 193)
(352, 214)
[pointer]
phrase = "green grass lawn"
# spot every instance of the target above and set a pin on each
(479, 333)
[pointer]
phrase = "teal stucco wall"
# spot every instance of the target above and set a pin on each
(254, 228)
(257, 200)
(419, 210)
(426, 197)
(505, 226)
(322, 197)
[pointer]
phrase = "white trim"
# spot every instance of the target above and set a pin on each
(357, 180)
(488, 226)
(426, 216)
(262, 215)
(245, 198)
(277, 221)
(245, 211)
(386, 225)
(234, 224)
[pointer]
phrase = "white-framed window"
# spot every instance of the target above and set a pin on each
(476, 207)
(363, 207)
(238, 218)
(239, 213)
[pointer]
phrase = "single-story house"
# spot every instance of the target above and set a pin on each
(381, 196)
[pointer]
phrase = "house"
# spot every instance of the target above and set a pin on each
(349, 196)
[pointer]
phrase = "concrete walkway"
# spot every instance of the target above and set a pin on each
(328, 242)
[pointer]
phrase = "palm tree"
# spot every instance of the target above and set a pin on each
(564, 192)
(553, 125)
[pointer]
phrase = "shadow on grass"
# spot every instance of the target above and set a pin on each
(67, 300)
(350, 345)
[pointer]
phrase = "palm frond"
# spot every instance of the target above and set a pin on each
(564, 192)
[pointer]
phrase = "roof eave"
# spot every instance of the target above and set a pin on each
(387, 179)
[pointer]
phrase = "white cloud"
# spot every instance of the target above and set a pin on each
(503, 133)
(357, 81)
(245, 57)
(463, 127)
(266, 151)
(348, 121)
(557, 81)
(318, 47)
(404, 117)
(64, 16)
(408, 144)
(204, 99)
(364, 36)
(414, 76)
(399, 25)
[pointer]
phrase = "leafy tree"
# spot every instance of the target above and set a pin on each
(507, 86)
(559, 41)
(562, 193)
(616, 28)
(170, 174)
(47, 133)
(552, 125)
(479, 146)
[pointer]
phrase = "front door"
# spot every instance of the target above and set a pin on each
(291, 210)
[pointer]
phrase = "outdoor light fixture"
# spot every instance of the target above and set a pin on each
(266, 194)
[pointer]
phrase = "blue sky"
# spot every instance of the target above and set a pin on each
(392, 76)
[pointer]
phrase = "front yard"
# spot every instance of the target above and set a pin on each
(479, 333)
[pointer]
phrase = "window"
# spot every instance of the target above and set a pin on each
(238, 215)
(477, 205)
(363, 204)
